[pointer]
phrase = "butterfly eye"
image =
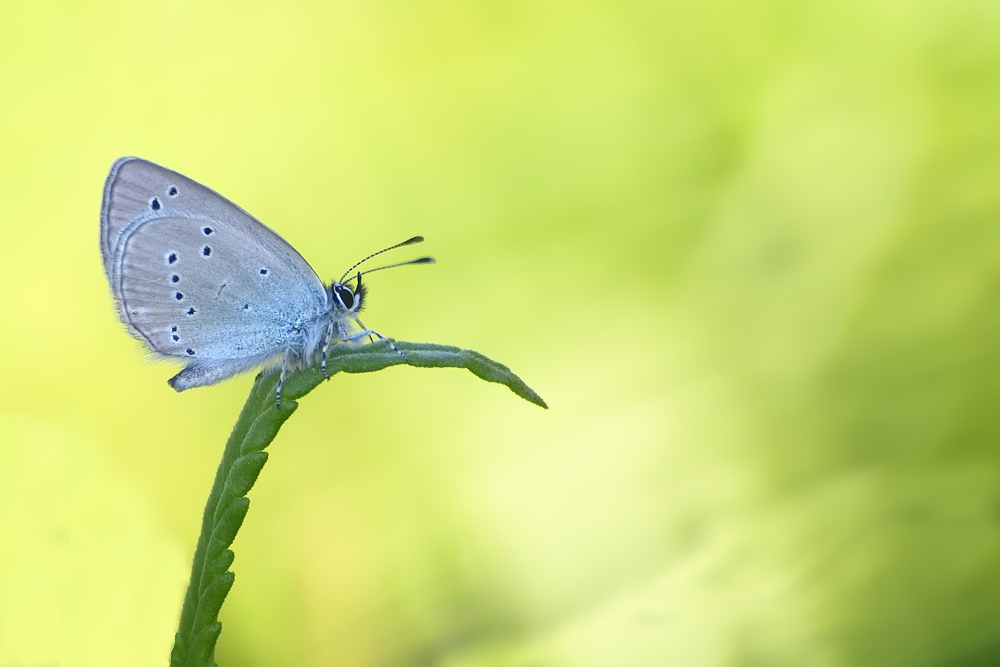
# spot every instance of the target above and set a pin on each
(346, 296)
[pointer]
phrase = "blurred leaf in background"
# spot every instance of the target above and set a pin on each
(747, 251)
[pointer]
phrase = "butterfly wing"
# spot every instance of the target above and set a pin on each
(195, 276)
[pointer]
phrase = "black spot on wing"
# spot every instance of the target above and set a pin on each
(155, 204)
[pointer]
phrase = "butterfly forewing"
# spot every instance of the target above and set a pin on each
(196, 276)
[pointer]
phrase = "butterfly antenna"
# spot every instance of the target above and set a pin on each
(415, 239)
(422, 260)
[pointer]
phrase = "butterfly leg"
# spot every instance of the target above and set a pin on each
(326, 346)
(372, 332)
(281, 380)
(365, 331)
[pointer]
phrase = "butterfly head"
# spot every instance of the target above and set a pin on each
(349, 299)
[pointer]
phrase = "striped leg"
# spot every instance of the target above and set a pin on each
(326, 347)
(371, 332)
(281, 380)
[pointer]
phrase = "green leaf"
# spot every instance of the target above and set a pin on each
(243, 458)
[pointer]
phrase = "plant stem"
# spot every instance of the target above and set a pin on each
(244, 457)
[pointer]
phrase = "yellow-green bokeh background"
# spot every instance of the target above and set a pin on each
(748, 251)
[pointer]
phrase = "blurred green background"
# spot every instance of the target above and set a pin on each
(749, 252)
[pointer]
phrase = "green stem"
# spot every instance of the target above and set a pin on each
(244, 456)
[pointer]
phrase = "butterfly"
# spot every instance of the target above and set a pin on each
(201, 281)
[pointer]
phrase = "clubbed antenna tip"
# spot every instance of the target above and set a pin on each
(410, 241)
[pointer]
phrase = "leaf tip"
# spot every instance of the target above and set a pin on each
(528, 394)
